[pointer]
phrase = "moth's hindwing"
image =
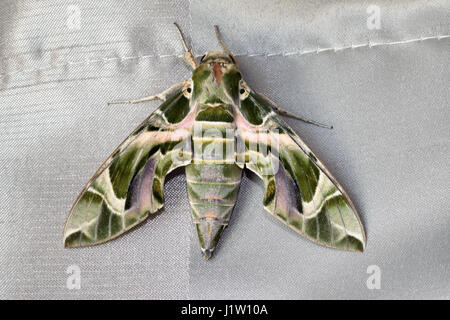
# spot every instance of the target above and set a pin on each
(299, 190)
(129, 185)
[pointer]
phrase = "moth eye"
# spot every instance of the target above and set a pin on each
(187, 90)
(244, 90)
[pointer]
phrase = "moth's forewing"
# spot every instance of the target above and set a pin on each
(299, 190)
(129, 185)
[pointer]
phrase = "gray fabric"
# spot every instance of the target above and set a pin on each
(386, 91)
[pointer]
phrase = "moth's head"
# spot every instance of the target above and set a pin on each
(218, 57)
(219, 63)
(217, 75)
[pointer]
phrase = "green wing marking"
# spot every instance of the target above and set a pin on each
(299, 190)
(129, 185)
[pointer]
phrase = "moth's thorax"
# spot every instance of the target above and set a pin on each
(216, 80)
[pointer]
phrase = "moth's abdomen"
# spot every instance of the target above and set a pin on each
(213, 181)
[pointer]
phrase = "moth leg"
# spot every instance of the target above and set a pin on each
(160, 96)
(188, 57)
(286, 113)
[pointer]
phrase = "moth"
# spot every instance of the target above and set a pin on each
(215, 126)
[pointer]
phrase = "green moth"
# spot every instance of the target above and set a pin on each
(215, 126)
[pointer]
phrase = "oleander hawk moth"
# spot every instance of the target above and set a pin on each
(215, 126)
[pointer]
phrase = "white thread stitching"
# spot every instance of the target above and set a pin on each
(283, 54)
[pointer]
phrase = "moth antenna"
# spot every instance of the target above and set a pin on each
(189, 57)
(223, 45)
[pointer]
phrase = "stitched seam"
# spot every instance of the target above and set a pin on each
(318, 50)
